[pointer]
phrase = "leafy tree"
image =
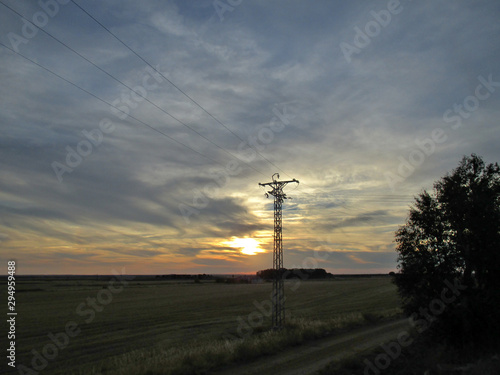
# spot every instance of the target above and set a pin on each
(449, 255)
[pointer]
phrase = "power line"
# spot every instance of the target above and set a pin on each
(349, 210)
(152, 103)
(172, 83)
(132, 90)
(146, 99)
(111, 105)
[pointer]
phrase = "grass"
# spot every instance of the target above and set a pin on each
(206, 355)
(155, 327)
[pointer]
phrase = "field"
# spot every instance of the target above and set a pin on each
(153, 327)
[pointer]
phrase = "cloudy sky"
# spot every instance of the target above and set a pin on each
(145, 150)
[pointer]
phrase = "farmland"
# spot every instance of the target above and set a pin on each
(148, 325)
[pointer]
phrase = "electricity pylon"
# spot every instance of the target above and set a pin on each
(278, 313)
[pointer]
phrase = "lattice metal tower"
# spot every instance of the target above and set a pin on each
(278, 313)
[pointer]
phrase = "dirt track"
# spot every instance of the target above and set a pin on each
(313, 356)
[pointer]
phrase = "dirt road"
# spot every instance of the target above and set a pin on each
(311, 357)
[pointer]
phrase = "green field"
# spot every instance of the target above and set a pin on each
(149, 325)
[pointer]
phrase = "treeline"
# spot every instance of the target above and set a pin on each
(185, 277)
(295, 273)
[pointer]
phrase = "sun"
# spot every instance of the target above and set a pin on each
(248, 246)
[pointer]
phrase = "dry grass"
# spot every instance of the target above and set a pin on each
(161, 327)
(200, 357)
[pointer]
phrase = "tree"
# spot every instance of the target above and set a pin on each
(449, 255)
(295, 273)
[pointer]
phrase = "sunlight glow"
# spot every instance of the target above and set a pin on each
(248, 246)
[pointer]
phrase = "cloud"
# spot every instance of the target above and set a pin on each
(213, 262)
(377, 217)
(352, 123)
(73, 255)
(358, 260)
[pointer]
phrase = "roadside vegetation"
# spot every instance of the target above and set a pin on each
(200, 357)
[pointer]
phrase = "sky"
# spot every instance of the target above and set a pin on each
(136, 140)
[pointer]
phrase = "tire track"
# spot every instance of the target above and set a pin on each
(315, 355)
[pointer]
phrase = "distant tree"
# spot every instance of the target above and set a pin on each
(268, 274)
(295, 273)
(451, 241)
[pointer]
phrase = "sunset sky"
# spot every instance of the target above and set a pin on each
(366, 103)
